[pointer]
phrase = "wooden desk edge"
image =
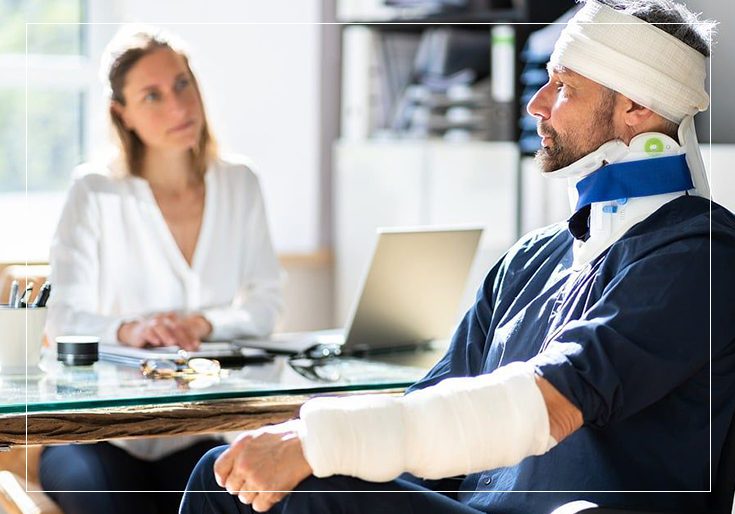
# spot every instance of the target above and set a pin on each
(176, 419)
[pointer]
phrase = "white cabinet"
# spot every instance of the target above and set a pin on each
(544, 200)
(408, 183)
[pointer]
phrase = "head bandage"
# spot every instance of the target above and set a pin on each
(645, 64)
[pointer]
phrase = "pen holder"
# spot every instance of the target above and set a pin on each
(18, 327)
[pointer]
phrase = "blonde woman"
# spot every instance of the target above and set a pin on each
(167, 245)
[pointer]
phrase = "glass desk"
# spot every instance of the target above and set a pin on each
(106, 400)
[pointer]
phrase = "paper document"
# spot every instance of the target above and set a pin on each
(221, 350)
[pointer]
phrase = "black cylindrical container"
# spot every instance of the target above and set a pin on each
(77, 350)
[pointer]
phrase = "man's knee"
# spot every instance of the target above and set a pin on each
(328, 495)
(202, 477)
(203, 495)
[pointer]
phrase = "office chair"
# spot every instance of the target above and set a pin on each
(721, 498)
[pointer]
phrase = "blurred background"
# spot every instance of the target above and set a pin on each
(356, 113)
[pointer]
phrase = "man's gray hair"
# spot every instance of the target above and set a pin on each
(671, 17)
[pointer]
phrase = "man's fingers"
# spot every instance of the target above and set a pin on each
(234, 484)
(223, 466)
(263, 502)
(239, 476)
(246, 496)
(262, 466)
(236, 480)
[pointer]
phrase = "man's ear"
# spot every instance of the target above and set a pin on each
(634, 114)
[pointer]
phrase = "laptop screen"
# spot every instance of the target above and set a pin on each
(412, 290)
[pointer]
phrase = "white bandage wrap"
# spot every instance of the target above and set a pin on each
(635, 58)
(461, 425)
(644, 63)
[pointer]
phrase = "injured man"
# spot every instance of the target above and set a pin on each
(598, 361)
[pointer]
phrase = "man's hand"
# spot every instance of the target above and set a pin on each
(165, 329)
(564, 417)
(262, 466)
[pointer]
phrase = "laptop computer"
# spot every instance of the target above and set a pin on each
(409, 295)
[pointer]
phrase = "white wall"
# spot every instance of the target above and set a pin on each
(722, 179)
(722, 109)
(260, 70)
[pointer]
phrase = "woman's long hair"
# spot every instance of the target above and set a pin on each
(131, 44)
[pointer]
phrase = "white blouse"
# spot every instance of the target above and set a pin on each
(113, 258)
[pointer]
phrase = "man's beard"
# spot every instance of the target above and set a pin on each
(579, 141)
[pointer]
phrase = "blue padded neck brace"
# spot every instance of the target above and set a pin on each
(633, 179)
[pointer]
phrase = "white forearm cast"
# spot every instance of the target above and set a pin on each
(459, 426)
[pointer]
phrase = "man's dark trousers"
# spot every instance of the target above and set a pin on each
(333, 495)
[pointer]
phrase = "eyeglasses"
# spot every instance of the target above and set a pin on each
(317, 370)
(187, 369)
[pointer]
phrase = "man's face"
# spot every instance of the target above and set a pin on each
(575, 116)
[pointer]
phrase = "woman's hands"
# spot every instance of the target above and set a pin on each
(166, 329)
(262, 466)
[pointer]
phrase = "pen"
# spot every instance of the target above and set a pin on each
(43, 295)
(26, 295)
(13, 294)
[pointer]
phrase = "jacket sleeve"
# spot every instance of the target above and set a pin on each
(657, 323)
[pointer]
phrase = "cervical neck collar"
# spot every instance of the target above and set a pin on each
(619, 185)
(646, 149)
(634, 179)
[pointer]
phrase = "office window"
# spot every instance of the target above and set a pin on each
(55, 34)
(56, 71)
(55, 135)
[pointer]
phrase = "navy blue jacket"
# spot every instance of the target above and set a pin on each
(632, 340)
